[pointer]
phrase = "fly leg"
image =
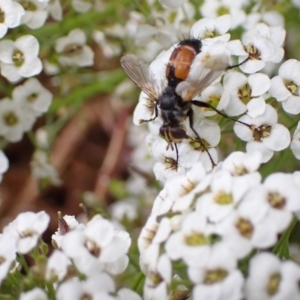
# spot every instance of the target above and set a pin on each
(207, 105)
(191, 121)
(152, 119)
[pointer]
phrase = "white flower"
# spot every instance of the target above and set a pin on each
(42, 169)
(8, 249)
(210, 8)
(261, 44)
(98, 246)
(223, 198)
(245, 228)
(172, 4)
(269, 278)
(286, 86)
(125, 294)
(246, 93)
(124, 210)
(65, 224)
(158, 279)
(32, 96)
(295, 144)
(57, 266)
(11, 14)
(212, 29)
(216, 96)
(27, 228)
(192, 242)
(265, 134)
(34, 294)
(219, 278)
(35, 13)
(55, 10)
(281, 199)
(4, 163)
(20, 58)
(73, 51)
(97, 287)
(182, 190)
(13, 121)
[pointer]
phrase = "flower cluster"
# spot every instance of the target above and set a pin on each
(212, 222)
(97, 250)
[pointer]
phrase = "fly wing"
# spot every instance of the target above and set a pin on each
(206, 68)
(142, 76)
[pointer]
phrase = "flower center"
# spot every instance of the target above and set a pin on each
(171, 163)
(155, 278)
(86, 296)
(223, 198)
(18, 58)
(244, 227)
(214, 101)
(31, 98)
(244, 93)
(252, 51)
(197, 239)
(202, 145)
(215, 276)
(73, 49)
(2, 16)
(223, 10)
(276, 200)
(240, 170)
(273, 284)
(10, 118)
(293, 88)
(210, 34)
(186, 188)
(28, 5)
(93, 248)
(27, 233)
(261, 132)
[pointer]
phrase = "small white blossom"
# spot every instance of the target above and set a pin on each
(34, 294)
(246, 93)
(97, 287)
(219, 278)
(72, 50)
(286, 86)
(20, 58)
(55, 10)
(295, 144)
(8, 249)
(261, 44)
(35, 13)
(11, 14)
(27, 228)
(269, 278)
(57, 266)
(210, 8)
(13, 120)
(98, 246)
(265, 134)
(32, 96)
(42, 169)
(208, 29)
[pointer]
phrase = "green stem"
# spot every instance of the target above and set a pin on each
(138, 281)
(282, 247)
(23, 263)
(51, 291)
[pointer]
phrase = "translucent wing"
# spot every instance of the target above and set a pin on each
(141, 75)
(206, 68)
